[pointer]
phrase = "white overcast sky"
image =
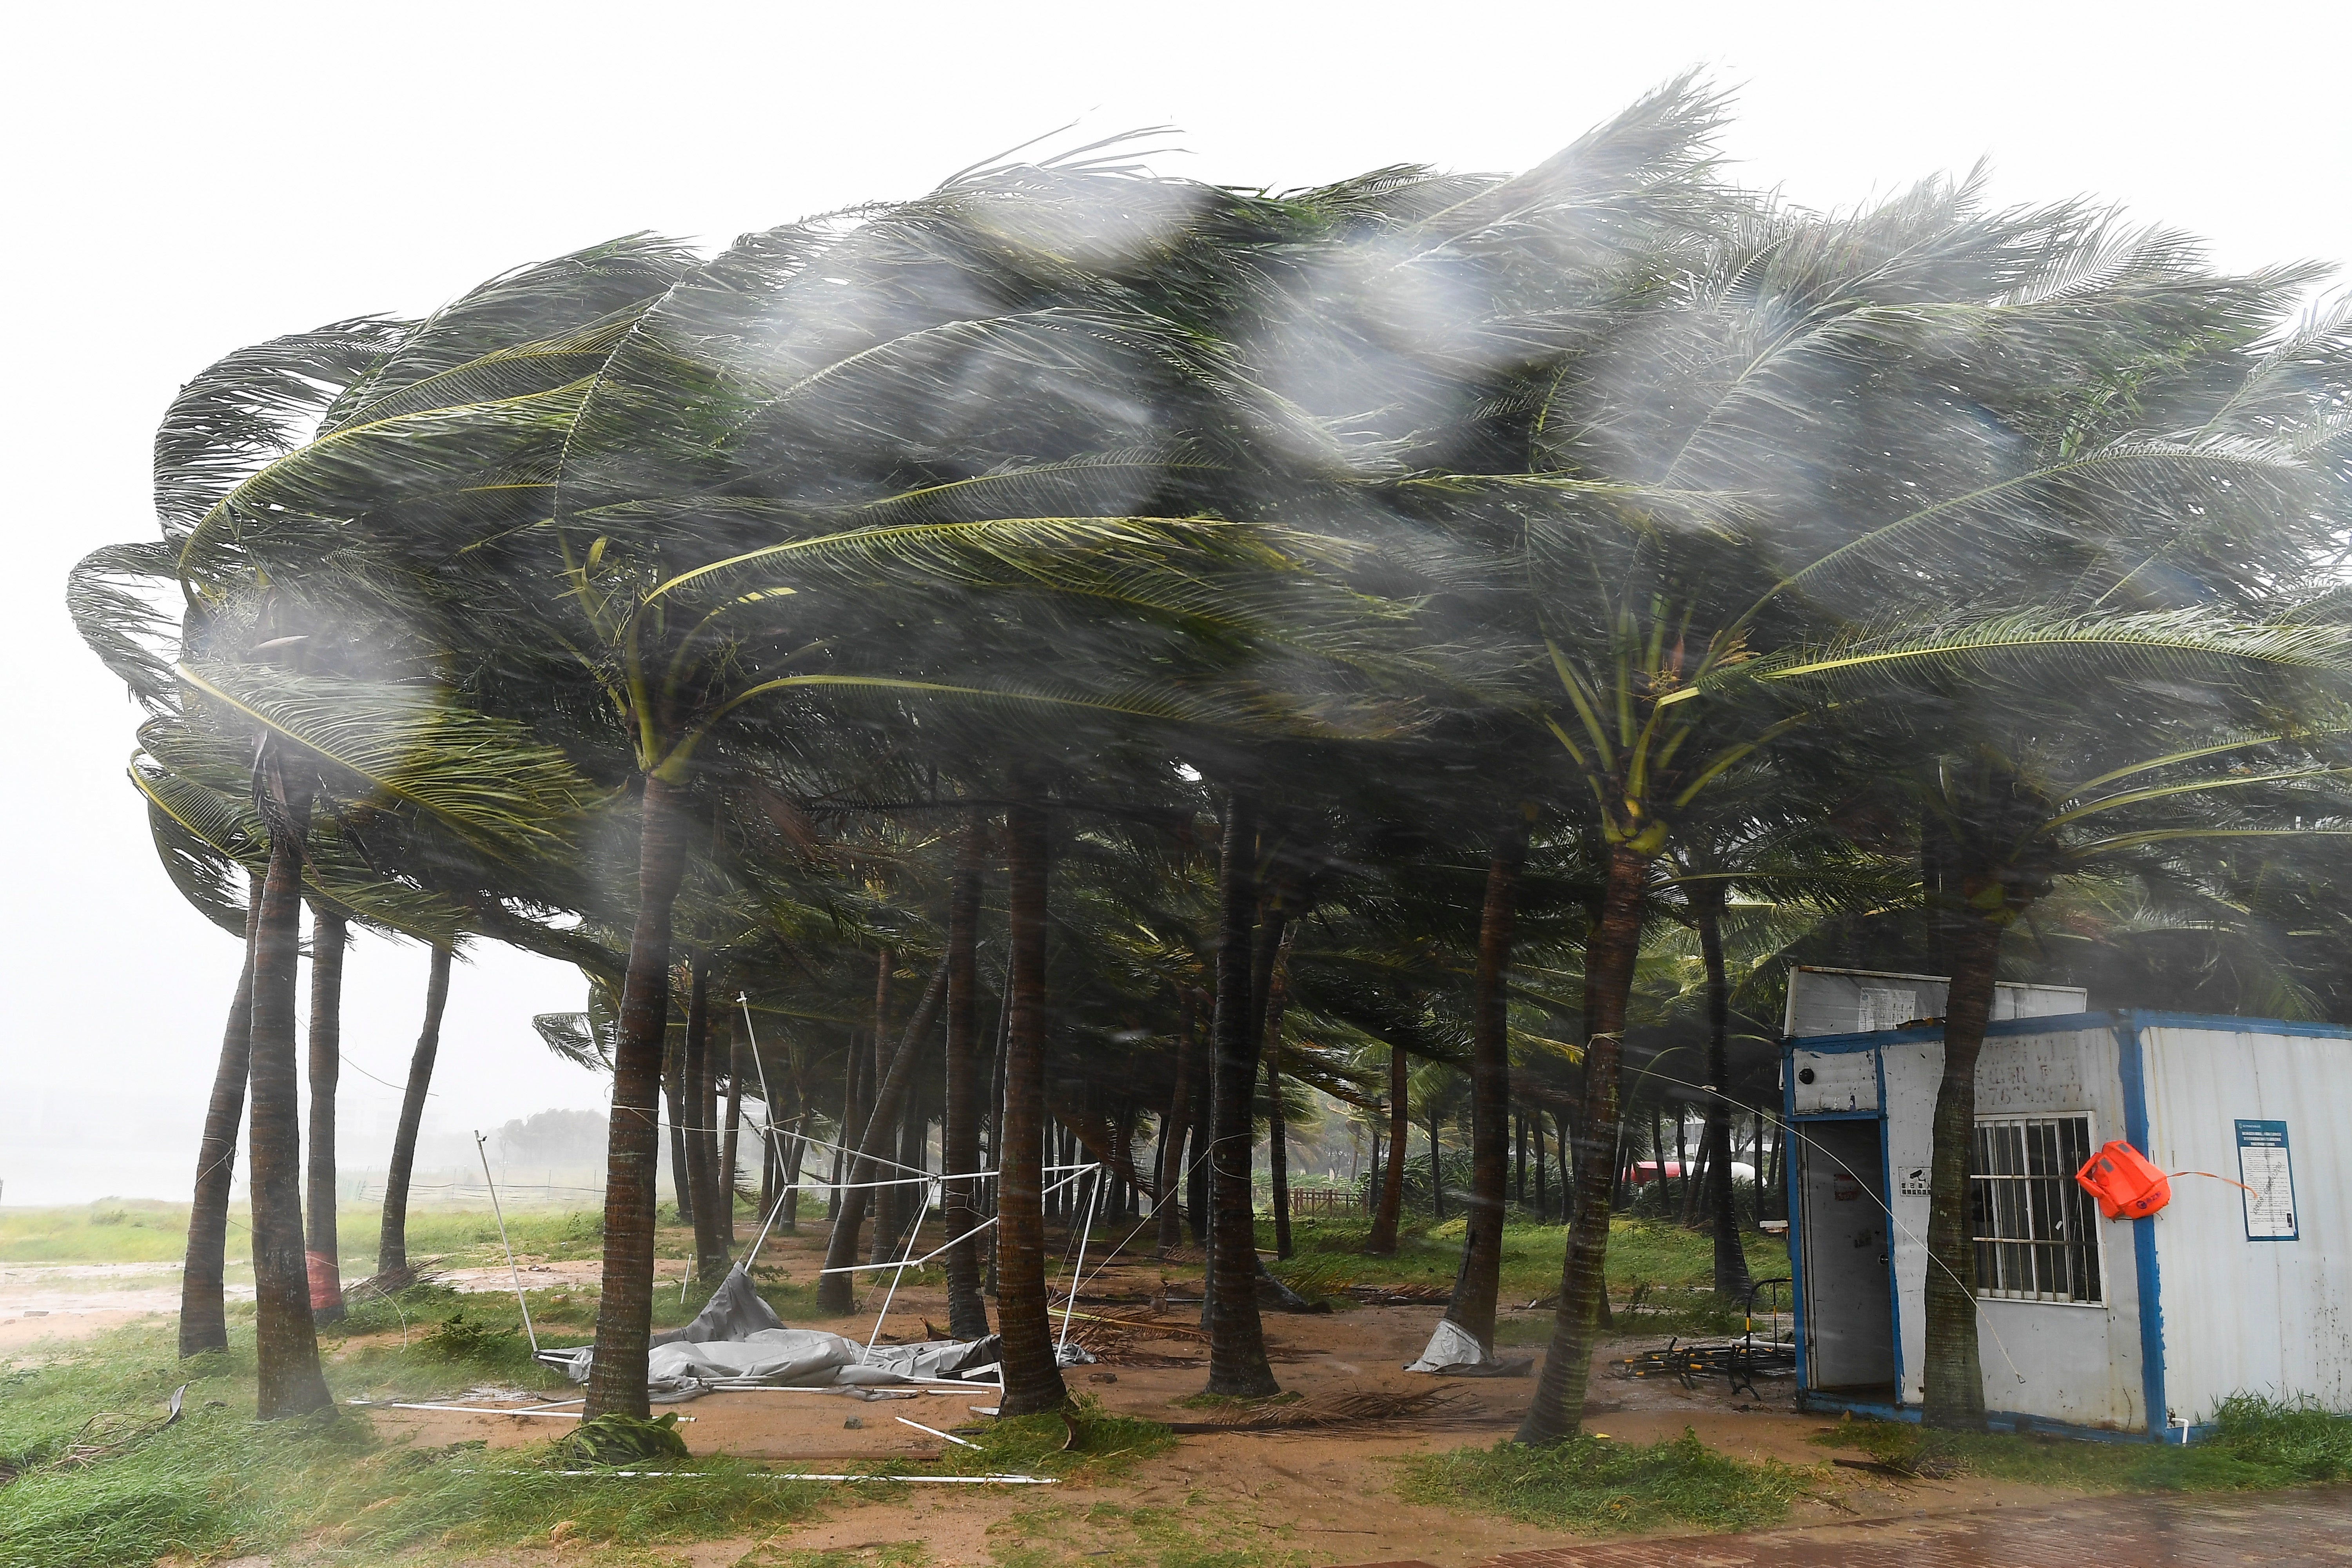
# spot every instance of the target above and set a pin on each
(182, 180)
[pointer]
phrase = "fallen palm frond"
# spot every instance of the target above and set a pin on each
(1354, 1409)
(109, 1433)
(1147, 1325)
(427, 1273)
(1401, 1295)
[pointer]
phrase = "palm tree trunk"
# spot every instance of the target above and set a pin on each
(624, 1310)
(1543, 1196)
(1277, 1131)
(1559, 1408)
(1382, 1242)
(853, 1122)
(1955, 1376)
(204, 1318)
(1683, 1161)
(1436, 1172)
(875, 1151)
(701, 1117)
(882, 1202)
(392, 1239)
(330, 936)
(290, 1382)
(771, 1177)
(994, 1197)
(791, 1170)
(1476, 1281)
(1032, 1381)
(1519, 1159)
(674, 1092)
(728, 1147)
(1199, 1130)
(1730, 1260)
(1172, 1129)
(959, 1124)
(1237, 1361)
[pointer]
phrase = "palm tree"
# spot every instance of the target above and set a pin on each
(330, 936)
(392, 1265)
(959, 1126)
(1033, 1380)
(1472, 1306)
(204, 1322)
(290, 1382)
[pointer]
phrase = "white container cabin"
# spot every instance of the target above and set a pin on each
(2090, 1326)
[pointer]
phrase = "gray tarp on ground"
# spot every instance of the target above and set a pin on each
(738, 1339)
(735, 1311)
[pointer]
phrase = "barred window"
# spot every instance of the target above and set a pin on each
(2036, 1230)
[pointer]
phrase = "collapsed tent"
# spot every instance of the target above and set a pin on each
(1454, 1352)
(738, 1342)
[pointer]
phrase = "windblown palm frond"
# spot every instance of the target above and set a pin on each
(2037, 645)
(487, 780)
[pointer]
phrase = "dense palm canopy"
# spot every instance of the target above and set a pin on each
(1489, 621)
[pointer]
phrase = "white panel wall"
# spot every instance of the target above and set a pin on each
(2272, 1317)
(1854, 1002)
(2064, 1363)
(1832, 1080)
(2037, 1001)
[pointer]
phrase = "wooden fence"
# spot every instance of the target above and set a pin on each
(1325, 1200)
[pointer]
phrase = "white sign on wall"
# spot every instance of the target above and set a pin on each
(2267, 1170)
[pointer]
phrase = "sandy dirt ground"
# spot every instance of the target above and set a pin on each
(40, 1301)
(1326, 1494)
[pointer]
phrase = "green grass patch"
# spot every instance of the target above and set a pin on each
(139, 1230)
(1106, 1443)
(1327, 1257)
(2259, 1444)
(111, 1230)
(1595, 1486)
(219, 1484)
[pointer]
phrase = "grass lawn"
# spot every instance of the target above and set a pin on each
(1645, 1256)
(2260, 1443)
(140, 1230)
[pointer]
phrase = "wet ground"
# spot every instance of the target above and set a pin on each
(1326, 1495)
(2291, 1529)
(74, 1300)
(1323, 1496)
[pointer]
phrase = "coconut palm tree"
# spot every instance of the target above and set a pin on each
(330, 936)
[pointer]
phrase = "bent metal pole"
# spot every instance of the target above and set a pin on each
(482, 1147)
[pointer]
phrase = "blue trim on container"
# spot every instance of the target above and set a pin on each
(2049, 1023)
(1886, 1201)
(2131, 1069)
(2148, 1020)
(1838, 1116)
(1806, 1401)
(1794, 1208)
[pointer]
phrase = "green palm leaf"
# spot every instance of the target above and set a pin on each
(487, 780)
